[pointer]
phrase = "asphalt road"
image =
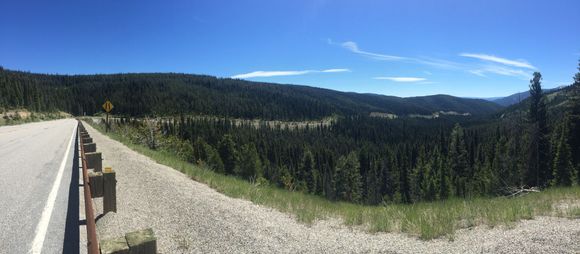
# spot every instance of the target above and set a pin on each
(38, 174)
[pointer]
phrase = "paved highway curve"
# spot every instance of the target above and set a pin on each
(37, 163)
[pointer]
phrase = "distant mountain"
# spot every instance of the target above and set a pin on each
(556, 101)
(517, 97)
(172, 93)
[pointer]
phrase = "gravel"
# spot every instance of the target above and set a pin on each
(190, 217)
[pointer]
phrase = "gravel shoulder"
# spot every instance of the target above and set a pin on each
(190, 217)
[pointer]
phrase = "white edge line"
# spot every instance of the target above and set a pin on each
(42, 226)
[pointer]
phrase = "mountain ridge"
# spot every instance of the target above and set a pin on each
(519, 97)
(137, 94)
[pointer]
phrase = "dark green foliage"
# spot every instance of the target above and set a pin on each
(370, 160)
(214, 160)
(204, 153)
(574, 122)
(373, 160)
(563, 170)
(173, 94)
(424, 178)
(348, 179)
(458, 163)
(357, 158)
(228, 153)
(307, 172)
(249, 165)
(539, 172)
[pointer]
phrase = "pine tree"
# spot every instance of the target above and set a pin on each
(373, 196)
(388, 178)
(563, 170)
(328, 184)
(249, 165)
(574, 120)
(444, 180)
(420, 176)
(538, 164)
(228, 153)
(458, 163)
(404, 178)
(199, 150)
(308, 171)
(348, 179)
(214, 160)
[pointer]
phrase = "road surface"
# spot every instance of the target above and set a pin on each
(37, 163)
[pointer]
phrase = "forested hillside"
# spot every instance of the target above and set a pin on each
(358, 158)
(373, 160)
(174, 94)
(519, 97)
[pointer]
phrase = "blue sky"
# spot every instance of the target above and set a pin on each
(403, 48)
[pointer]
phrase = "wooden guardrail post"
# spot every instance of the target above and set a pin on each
(87, 140)
(90, 147)
(96, 183)
(109, 191)
(94, 161)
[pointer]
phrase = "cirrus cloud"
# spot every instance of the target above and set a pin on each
(262, 74)
(439, 63)
(500, 60)
(402, 79)
(491, 64)
(353, 47)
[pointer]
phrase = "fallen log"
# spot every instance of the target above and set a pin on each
(520, 191)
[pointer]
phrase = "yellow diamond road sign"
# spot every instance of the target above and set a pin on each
(108, 106)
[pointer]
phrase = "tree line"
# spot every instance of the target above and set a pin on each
(370, 160)
(162, 94)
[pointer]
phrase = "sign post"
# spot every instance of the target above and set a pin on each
(108, 106)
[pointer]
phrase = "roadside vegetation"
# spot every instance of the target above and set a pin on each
(427, 220)
(426, 177)
(21, 116)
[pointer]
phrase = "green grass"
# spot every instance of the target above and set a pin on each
(427, 220)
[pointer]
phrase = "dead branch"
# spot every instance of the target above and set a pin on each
(519, 191)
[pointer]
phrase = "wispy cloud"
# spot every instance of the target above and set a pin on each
(353, 47)
(335, 70)
(261, 74)
(402, 79)
(257, 74)
(480, 73)
(439, 63)
(500, 70)
(500, 60)
(490, 64)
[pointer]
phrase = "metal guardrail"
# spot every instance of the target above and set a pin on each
(92, 243)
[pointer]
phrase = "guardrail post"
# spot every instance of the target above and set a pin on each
(96, 183)
(87, 140)
(94, 161)
(109, 191)
(90, 147)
